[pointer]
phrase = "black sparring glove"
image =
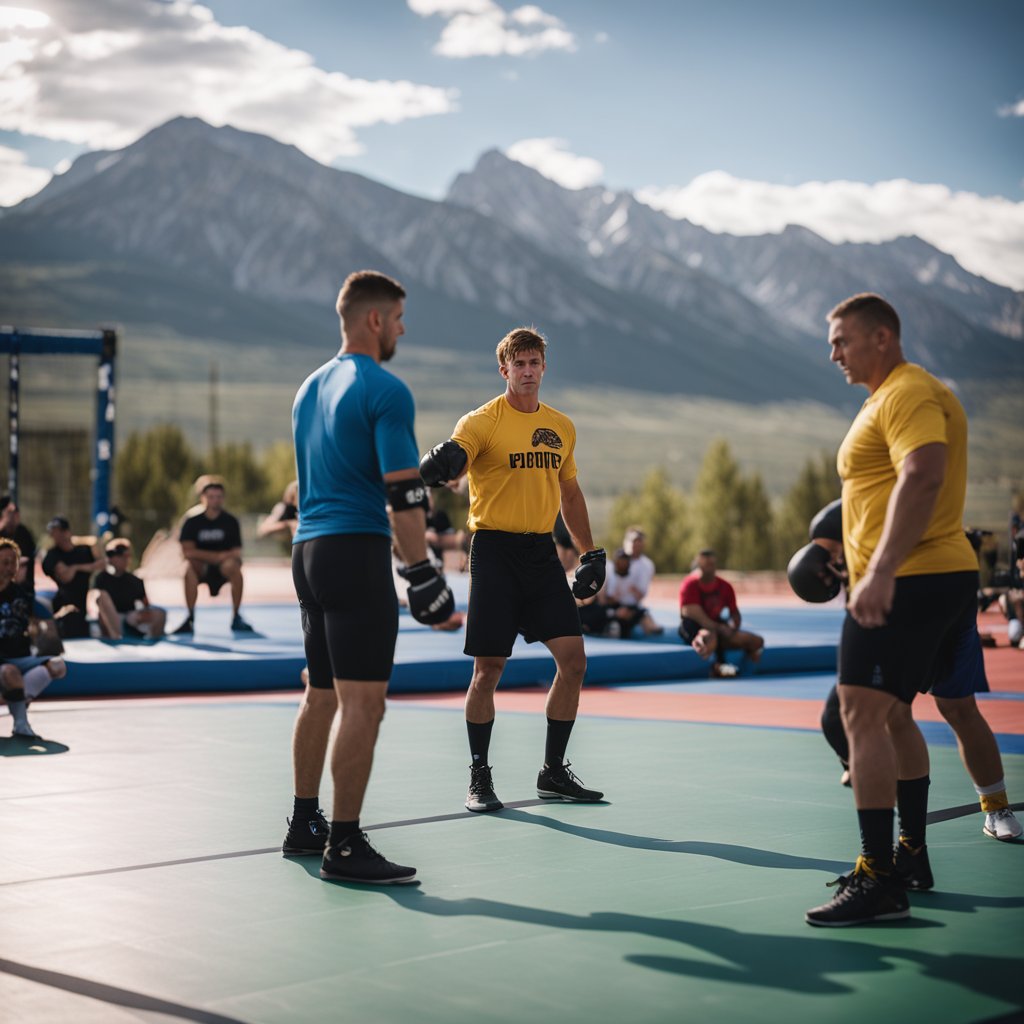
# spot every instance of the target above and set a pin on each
(430, 598)
(590, 573)
(444, 462)
(812, 576)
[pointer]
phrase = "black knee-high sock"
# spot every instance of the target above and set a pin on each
(557, 741)
(876, 837)
(479, 741)
(912, 801)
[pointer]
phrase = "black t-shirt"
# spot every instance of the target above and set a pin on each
(124, 590)
(75, 591)
(222, 533)
(22, 536)
(15, 612)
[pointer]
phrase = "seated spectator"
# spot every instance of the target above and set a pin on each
(121, 601)
(14, 529)
(1011, 601)
(70, 566)
(283, 519)
(23, 676)
(710, 618)
(211, 542)
(641, 575)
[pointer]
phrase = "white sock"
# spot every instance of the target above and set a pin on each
(996, 787)
(36, 680)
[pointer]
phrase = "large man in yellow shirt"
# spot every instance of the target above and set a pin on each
(519, 456)
(913, 585)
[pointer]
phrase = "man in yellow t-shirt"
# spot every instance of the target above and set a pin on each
(913, 585)
(518, 453)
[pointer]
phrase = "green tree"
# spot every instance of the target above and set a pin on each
(278, 464)
(661, 511)
(816, 485)
(153, 477)
(718, 496)
(245, 480)
(753, 544)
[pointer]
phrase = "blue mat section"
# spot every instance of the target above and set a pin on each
(215, 660)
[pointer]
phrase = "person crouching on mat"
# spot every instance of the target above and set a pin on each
(518, 453)
(23, 676)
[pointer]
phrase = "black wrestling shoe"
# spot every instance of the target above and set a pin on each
(481, 796)
(239, 625)
(910, 867)
(559, 783)
(863, 898)
(355, 860)
(306, 836)
(187, 628)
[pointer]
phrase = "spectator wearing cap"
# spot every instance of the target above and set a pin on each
(121, 602)
(211, 541)
(70, 566)
(711, 619)
(641, 574)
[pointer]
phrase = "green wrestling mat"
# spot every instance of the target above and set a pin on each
(142, 880)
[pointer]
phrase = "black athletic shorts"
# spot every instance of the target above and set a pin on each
(213, 578)
(918, 646)
(516, 585)
(349, 607)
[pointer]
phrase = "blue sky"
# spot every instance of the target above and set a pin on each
(908, 115)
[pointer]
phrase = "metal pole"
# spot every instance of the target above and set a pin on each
(105, 408)
(13, 420)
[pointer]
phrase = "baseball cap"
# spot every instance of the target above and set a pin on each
(58, 523)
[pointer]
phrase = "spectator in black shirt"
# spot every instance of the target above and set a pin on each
(14, 529)
(70, 566)
(211, 541)
(23, 675)
(124, 609)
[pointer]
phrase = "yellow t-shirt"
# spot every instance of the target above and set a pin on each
(911, 409)
(516, 463)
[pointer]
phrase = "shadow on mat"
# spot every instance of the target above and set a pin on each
(751, 856)
(19, 746)
(812, 964)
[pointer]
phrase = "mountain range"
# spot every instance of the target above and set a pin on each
(214, 233)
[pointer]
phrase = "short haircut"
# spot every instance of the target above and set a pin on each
(365, 287)
(6, 542)
(117, 546)
(873, 310)
(206, 481)
(515, 343)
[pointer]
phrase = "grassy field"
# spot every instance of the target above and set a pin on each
(622, 434)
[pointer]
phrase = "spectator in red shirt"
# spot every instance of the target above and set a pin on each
(710, 618)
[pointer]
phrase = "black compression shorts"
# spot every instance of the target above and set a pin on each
(349, 607)
(516, 585)
(918, 646)
(213, 578)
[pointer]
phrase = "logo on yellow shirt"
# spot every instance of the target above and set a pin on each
(542, 435)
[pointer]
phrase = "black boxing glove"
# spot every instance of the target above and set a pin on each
(590, 573)
(444, 462)
(430, 598)
(812, 576)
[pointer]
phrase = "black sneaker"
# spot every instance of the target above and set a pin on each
(910, 867)
(559, 783)
(481, 796)
(132, 632)
(187, 628)
(863, 897)
(355, 860)
(306, 836)
(239, 625)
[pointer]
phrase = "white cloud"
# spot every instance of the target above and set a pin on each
(480, 28)
(984, 233)
(101, 73)
(551, 158)
(17, 179)
(1012, 109)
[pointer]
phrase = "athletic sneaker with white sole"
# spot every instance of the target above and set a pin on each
(864, 897)
(1002, 825)
(559, 783)
(355, 860)
(481, 796)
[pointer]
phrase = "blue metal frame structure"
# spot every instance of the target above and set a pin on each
(41, 341)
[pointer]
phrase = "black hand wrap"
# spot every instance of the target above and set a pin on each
(444, 462)
(828, 523)
(590, 573)
(812, 576)
(430, 598)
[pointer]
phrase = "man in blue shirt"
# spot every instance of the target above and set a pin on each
(357, 459)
